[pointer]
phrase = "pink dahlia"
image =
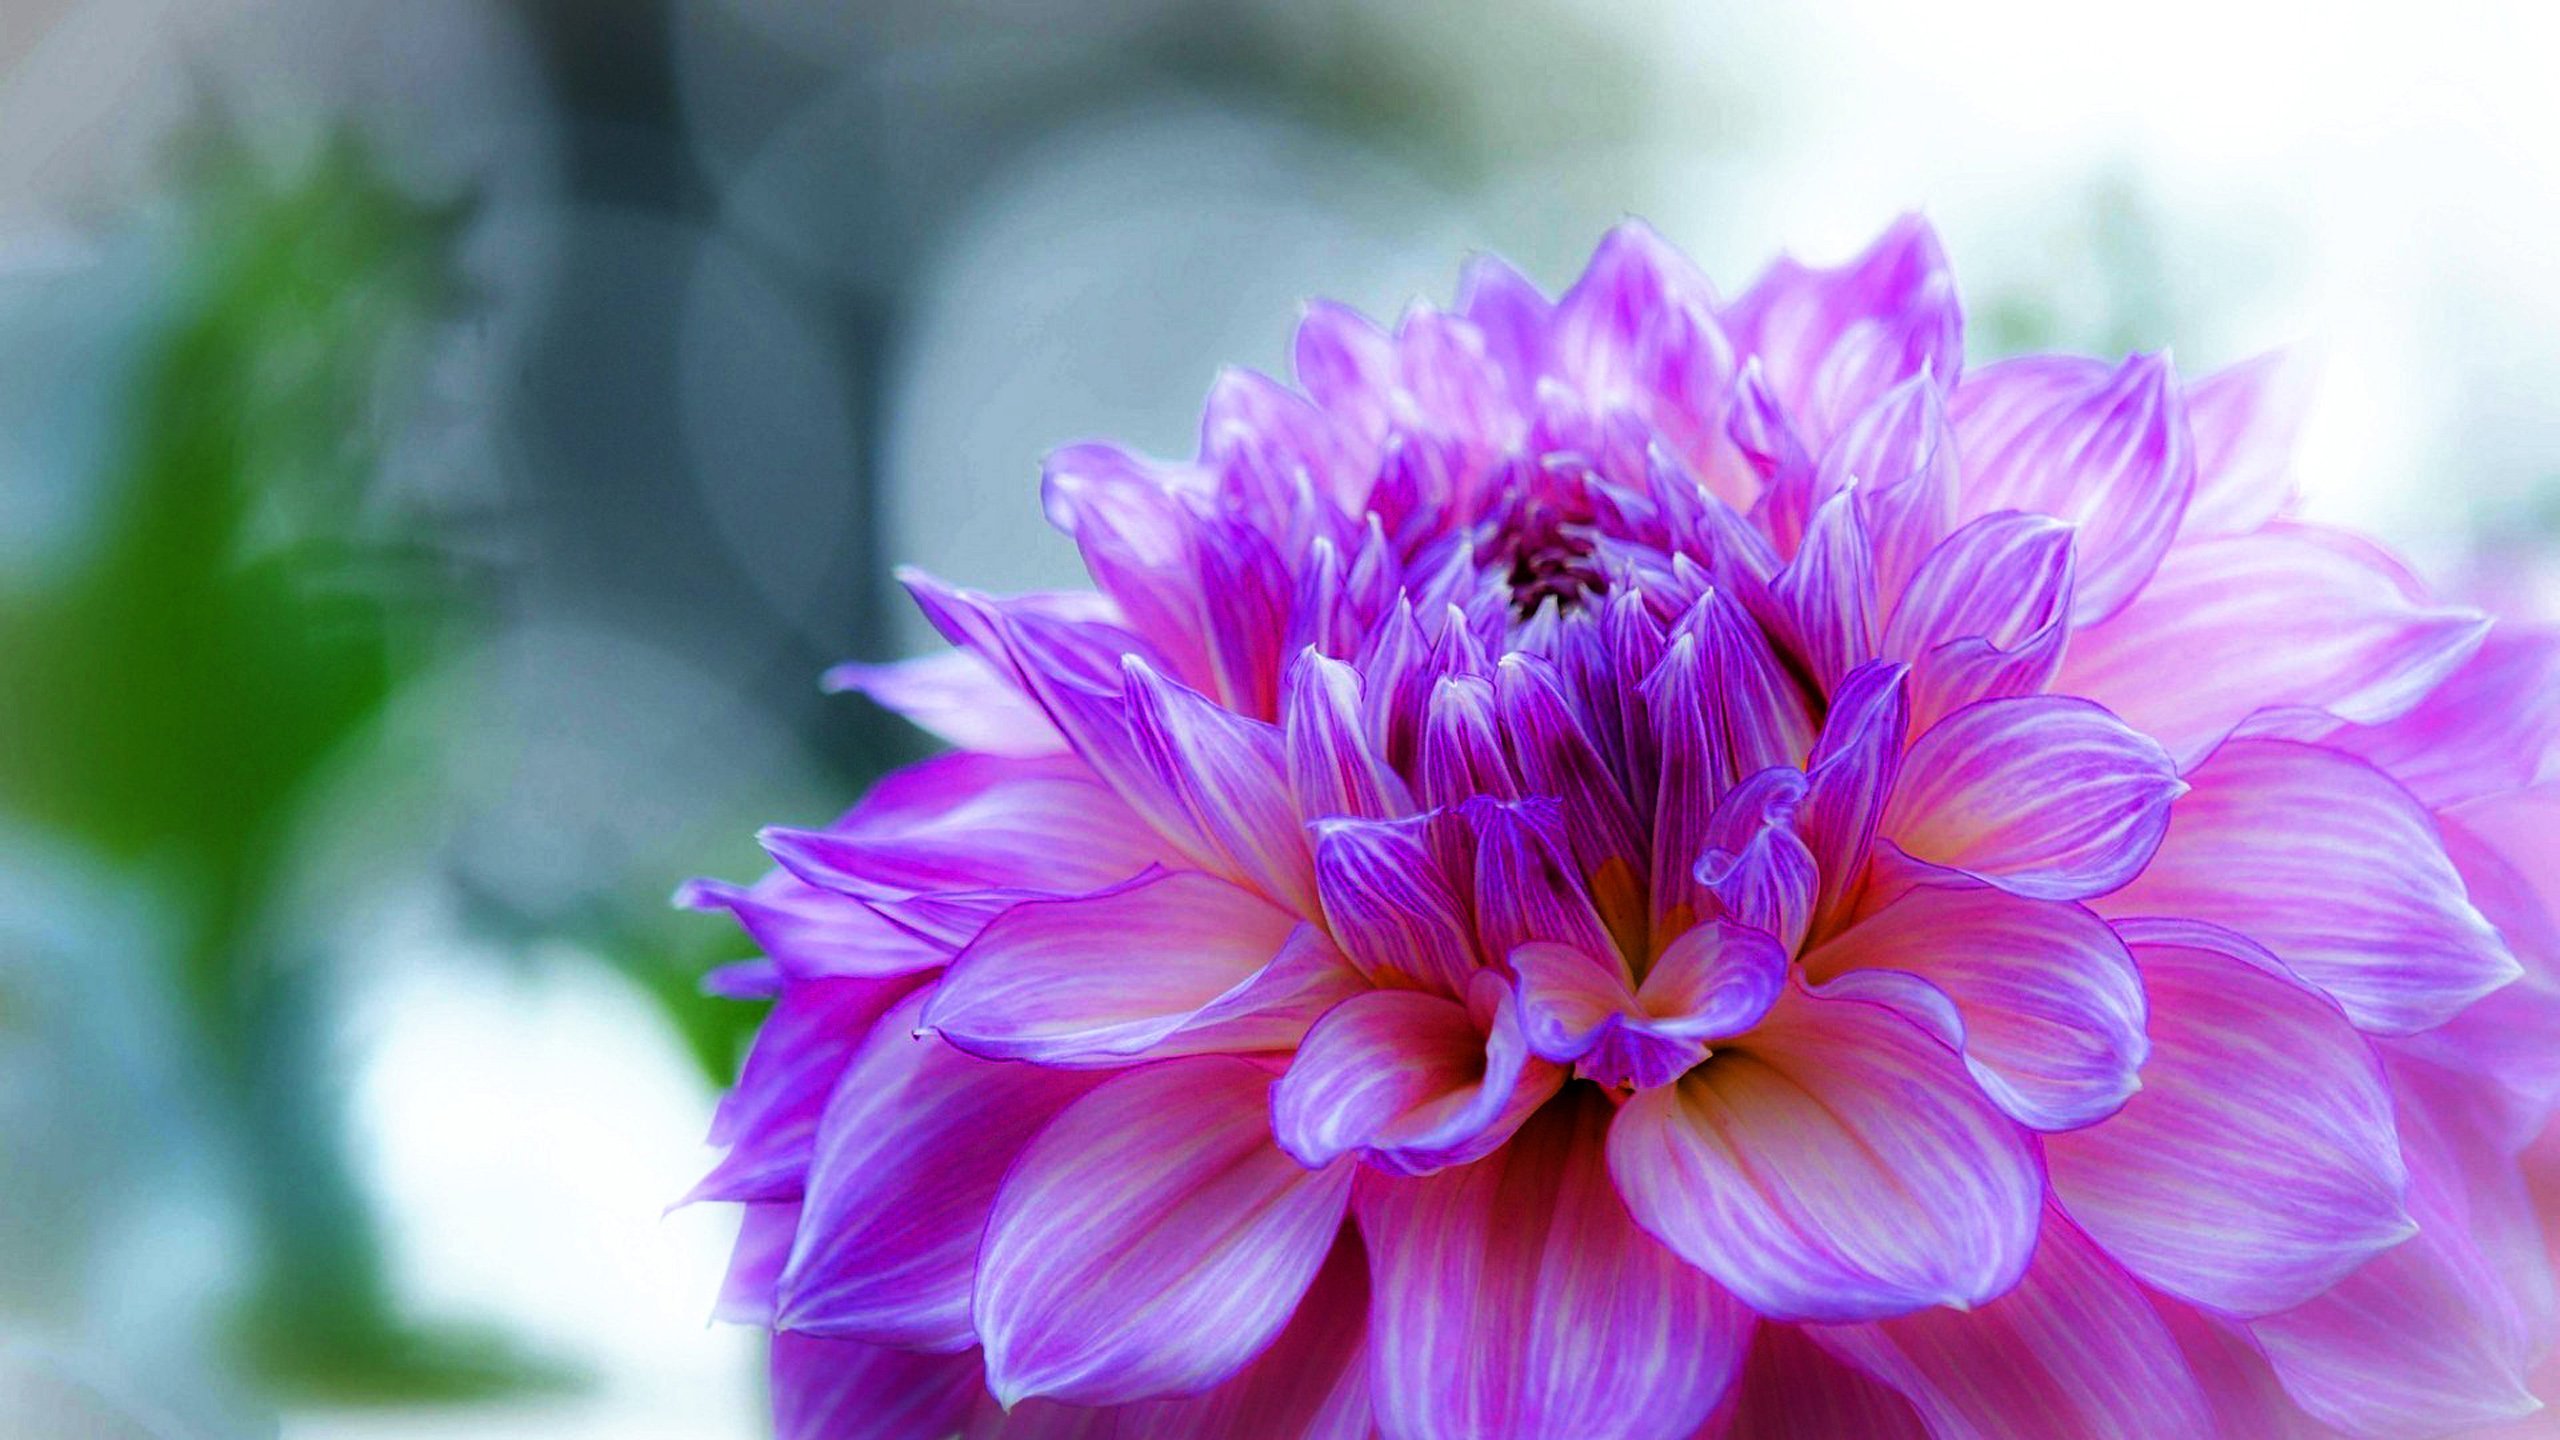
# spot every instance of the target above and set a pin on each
(1649, 866)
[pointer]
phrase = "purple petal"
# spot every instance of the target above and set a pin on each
(2259, 1164)
(915, 1139)
(968, 822)
(2039, 996)
(2292, 616)
(770, 1120)
(1512, 316)
(2044, 796)
(1855, 766)
(845, 1390)
(1173, 958)
(2002, 583)
(1514, 1300)
(1219, 787)
(1391, 906)
(1833, 340)
(1312, 1384)
(1333, 770)
(1754, 868)
(1828, 593)
(1834, 1164)
(1412, 1081)
(1462, 755)
(2245, 420)
(1347, 363)
(764, 1239)
(1716, 980)
(958, 699)
(1902, 453)
(1151, 1240)
(812, 933)
(1791, 1389)
(1525, 885)
(2114, 457)
(1558, 756)
(2321, 859)
(2075, 1350)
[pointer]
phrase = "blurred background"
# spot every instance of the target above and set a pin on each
(442, 441)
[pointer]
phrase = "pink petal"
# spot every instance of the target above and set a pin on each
(958, 699)
(2245, 420)
(2291, 616)
(914, 1142)
(1410, 1080)
(1902, 452)
(2038, 996)
(1834, 1164)
(2074, 1350)
(1172, 959)
(2259, 1164)
(1514, 1300)
(2423, 1339)
(2112, 455)
(2493, 726)
(2321, 859)
(2045, 796)
(1151, 1240)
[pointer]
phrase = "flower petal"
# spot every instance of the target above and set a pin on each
(2259, 1164)
(1986, 614)
(958, 699)
(813, 933)
(1333, 770)
(915, 1139)
(2039, 996)
(769, 1120)
(2112, 455)
(1412, 1081)
(1834, 1164)
(1165, 958)
(1855, 765)
(1151, 1240)
(1391, 905)
(1514, 1300)
(967, 822)
(2045, 796)
(1312, 1384)
(1832, 340)
(2493, 726)
(2291, 616)
(2245, 420)
(1220, 787)
(1791, 1389)
(2320, 858)
(2420, 1340)
(2075, 1349)
(846, 1390)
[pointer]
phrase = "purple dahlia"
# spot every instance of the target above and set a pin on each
(1643, 865)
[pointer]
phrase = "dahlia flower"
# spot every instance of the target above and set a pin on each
(1655, 866)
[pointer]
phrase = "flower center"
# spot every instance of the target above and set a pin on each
(1552, 558)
